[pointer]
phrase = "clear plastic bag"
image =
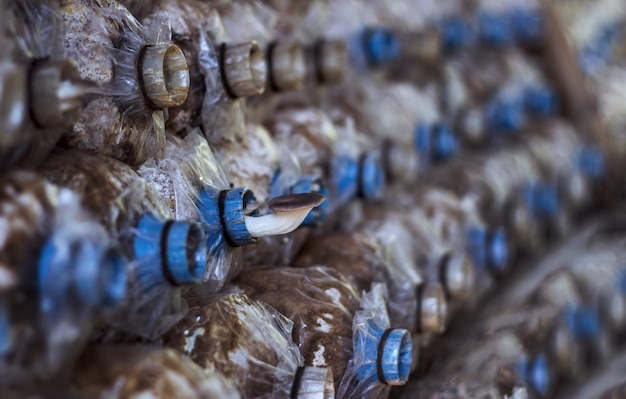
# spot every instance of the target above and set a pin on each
(253, 162)
(566, 161)
(139, 74)
(289, 179)
(457, 223)
(165, 255)
(506, 190)
(308, 133)
(60, 274)
(321, 303)
(408, 118)
(382, 355)
(413, 240)
(192, 181)
(510, 347)
(366, 259)
(352, 167)
(42, 91)
(356, 169)
(251, 344)
(124, 372)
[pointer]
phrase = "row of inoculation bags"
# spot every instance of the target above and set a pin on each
(97, 250)
(549, 331)
(96, 77)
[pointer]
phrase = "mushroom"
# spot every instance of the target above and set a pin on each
(290, 210)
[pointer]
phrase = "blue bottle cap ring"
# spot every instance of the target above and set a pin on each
(455, 33)
(388, 354)
(539, 374)
(542, 199)
(445, 143)
(583, 322)
(504, 116)
(115, 273)
(498, 251)
(5, 329)
(371, 176)
(548, 199)
(540, 101)
(422, 139)
(494, 29)
(395, 354)
(185, 252)
(476, 239)
(232, 204)
(526, 24)
(381, 46)
(590, 161)
(345, 179)
(94, 272)
(536, 373)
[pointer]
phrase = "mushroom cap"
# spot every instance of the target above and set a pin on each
(292, 202)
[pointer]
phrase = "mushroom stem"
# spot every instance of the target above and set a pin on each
(276, 223)
(290, 210)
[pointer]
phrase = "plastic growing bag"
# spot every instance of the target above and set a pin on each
(139, 74)
(250, 343)
(165, 255)
(321, 303)
(382, 355)
(60, 274)
(124, 372)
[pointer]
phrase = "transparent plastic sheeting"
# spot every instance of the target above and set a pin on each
(321, 303)
(126, 372)
(365, 354)
(31, 121)
(190, 178)
(364, 259)
(118, 120)
(382, 355)
(138, 217)
(60, 273)
(251, 344)
(213, 101)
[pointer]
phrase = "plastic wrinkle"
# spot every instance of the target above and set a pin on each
(251, 344)
(117, 371)
(127, 128)
(48, 237)
(361, 379)
(120, 197)
(188, 175)
(321, 303)
(373, 255)
(34, 32)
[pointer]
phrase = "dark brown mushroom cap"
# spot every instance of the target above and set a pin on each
(293, 202)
